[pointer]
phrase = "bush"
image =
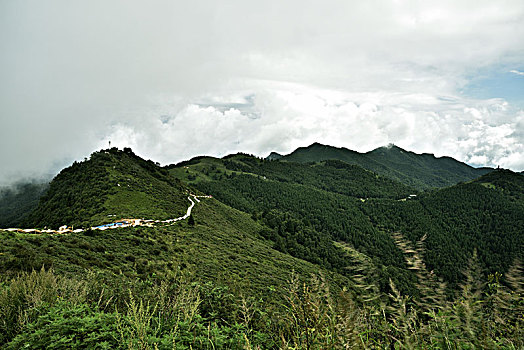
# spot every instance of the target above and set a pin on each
(21, 300)
(69, 326)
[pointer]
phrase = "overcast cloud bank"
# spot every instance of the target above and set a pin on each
(282, 117)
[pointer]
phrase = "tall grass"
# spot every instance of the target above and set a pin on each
(24, 298)
(178, 312)
(481, 316)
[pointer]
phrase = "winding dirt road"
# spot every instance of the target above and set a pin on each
(118, 224)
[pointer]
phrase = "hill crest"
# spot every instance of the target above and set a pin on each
(422, 171)
(111, 184)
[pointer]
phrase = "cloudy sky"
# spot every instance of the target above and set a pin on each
(175, 79)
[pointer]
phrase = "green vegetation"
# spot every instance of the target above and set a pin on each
(507, 182)
(456, 221)
(331, 175)
(307, 220)
(111, 185)
(46, 310)
(213, 284)
(17, 201)
(286, 255)
(224, 245)
(421, 171)
(199, 169)
(316, 206)
(307, 207)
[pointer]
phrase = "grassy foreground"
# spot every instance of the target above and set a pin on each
(46, 310)
(189, 298)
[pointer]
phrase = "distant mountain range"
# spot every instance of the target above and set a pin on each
(421, 171)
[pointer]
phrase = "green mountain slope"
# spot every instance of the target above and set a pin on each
(18, 201)
(509, 183)
(308, 207)
(421, 171)
(111, 185)
(459, 219)
(330, 175)
(224, 246)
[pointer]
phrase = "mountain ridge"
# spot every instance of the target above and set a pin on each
(110, 185)
(249, 250)
(422, 171)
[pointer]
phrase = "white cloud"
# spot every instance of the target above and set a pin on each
(294, 115)
(516, 72)
(350, 73)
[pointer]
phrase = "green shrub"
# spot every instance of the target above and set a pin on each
(23, 298)
(69, 326)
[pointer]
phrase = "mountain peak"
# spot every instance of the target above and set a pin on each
(421, 171)
(274, 156)
(390, 147)
(110, 184)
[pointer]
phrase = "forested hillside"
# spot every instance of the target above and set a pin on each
(330, 175)
(17, 201)
(505, 181)
(285, 255)
(307, 207)
(111, 185)
(421, 171)
(457, 220)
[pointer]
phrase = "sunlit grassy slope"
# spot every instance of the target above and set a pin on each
(111, 185)
(224, 245)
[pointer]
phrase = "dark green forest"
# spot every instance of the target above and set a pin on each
(17, 201)
(306, 216)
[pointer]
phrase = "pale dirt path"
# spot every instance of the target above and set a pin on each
(119, 224)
